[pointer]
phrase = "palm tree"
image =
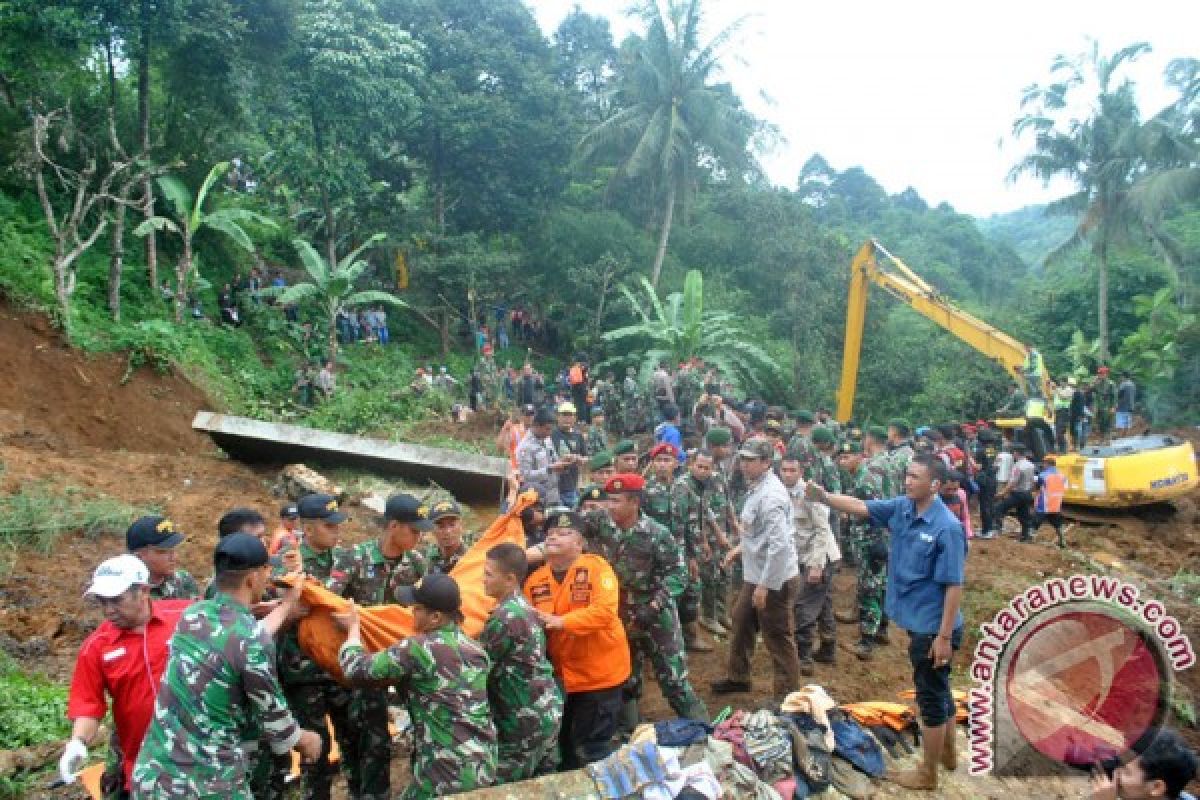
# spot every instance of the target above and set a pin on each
(680, 329)
(190, 218)
(1101, 154)
(669, 116)
(332, 287)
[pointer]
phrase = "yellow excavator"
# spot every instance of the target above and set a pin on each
(1123, 473)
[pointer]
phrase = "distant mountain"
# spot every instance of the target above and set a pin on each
(1029, 231)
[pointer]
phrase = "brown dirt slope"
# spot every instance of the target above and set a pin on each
(63, 399)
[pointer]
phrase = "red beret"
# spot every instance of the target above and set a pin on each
(624, 482)
(663, 447)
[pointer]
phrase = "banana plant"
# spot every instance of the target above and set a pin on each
(190, 218)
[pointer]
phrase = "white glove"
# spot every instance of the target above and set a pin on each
(73, 758)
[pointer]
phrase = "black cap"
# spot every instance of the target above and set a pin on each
(320, 506)
(435, 591)
(562, 517)
(443, 509)
(290, 511)
(152, 532)
(239, 551)
(544, 416)
(406, 508)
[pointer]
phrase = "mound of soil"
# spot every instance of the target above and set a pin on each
(59, 399)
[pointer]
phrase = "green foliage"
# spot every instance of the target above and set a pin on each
(38, 514)
(32, 709)
(1030, 232)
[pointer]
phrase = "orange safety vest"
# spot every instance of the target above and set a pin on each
(1054, 486)
(575, 376)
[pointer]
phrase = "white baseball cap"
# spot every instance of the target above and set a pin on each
(114, 577)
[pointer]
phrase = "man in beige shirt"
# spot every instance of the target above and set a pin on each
(818, 554)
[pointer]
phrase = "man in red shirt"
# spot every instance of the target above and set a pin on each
(124, 660)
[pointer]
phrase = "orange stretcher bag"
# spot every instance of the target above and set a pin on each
(896, 716)
(382, 626)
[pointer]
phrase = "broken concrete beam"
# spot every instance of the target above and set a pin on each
(468, 475)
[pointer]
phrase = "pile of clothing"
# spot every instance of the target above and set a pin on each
(805, 747)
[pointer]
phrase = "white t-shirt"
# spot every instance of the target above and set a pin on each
(1004, 463)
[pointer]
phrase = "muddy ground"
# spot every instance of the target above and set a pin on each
(69, 423)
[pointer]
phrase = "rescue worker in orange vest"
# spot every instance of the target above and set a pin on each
(1052, 484)
(575, 596)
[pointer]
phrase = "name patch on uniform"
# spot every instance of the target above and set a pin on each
(111, 654)
(581, 594)
(540, 593)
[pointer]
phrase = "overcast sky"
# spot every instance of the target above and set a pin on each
(921, 93)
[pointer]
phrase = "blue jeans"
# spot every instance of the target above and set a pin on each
(384, 336)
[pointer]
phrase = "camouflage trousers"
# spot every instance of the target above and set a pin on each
(870, 549)
(714, 583)
(359, 718)
(657, 636)
(470, 770)
(527, 741)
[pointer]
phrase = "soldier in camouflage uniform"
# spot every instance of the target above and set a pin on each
(800, 446)
(715, 578)
(632, 403)
(688, 388)
(647, 563)
(526, 702)
(625, 457)
(900, 452)
(375, 573)
(220, 691)
(658, 503)
(871, 546)
(310, 691)
(155, 541)
(876, 456)
(700, 538)
(450, 543)
(440, 674)
(596, 435)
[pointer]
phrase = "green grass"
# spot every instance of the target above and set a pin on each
(33, 710)
(38, 514)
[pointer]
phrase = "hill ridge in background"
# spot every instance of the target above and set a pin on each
(1030, 232)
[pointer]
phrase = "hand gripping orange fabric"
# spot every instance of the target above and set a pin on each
(382, 626)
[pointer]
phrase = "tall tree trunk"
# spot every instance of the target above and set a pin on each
(332, 349)
(151, 240)
(330, 229)
(663, 235)
(116, 261)
(444, 332)
(1102, 298)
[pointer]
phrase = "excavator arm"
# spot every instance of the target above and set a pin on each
(906, 285)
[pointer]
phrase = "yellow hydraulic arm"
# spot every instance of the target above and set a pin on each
(925, 300)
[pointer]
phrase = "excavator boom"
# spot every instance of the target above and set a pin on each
(904, 284)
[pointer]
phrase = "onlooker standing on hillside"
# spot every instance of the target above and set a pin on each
(326, 381)
(124, 660)
(1080, 413)
(154, 540)
(1126, 399)
(1017, 494)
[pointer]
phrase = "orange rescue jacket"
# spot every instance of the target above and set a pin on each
(590, 652)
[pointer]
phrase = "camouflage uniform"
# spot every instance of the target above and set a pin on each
(880, 466)
(693, 518)
(597, 440)
(631, 402)
(688, 389)
(647, 563)
(801, 448)
(179, 585)
(871, 554)
(899, 457)
(1105, 393)
(219, 694)
(436, 562)
(367, 577)
(313, 695)
(526, 702)
(441, 677)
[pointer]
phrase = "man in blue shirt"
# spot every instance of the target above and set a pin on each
(668, 431)
(924, 592)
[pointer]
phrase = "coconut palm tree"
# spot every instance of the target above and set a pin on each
(669, 115)
(331, 288)
(190, 218)
(1102, 154)
(680, 329)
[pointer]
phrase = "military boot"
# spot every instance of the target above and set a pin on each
(804, 653)
(826, 653)
(692, 640)
(846, 617)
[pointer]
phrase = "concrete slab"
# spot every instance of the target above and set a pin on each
(467, 475)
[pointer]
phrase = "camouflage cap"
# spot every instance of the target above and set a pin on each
(757, 448)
